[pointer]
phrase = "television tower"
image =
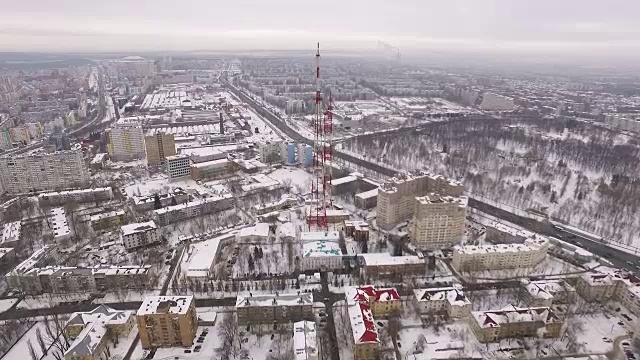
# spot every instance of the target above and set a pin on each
(322, 158)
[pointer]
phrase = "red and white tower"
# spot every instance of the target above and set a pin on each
(322, 158)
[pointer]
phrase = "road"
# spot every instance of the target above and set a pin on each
(328, 298)
(617, 257)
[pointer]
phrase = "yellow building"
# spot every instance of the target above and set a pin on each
(159, 146)
(166, 321)
(92, 330)
(363, 304)
(510, 322)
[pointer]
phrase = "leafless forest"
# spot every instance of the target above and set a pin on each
(575, 172)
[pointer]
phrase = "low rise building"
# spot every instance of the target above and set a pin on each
(59, 225)
(139, 235)
(195, 208)
(99, 161)
(11, 234)
(548, 292)
(445, 300)
(438, 221)
(367, 199)
(256, 233)
(358, 230)
(34, 280)
(495, 325)
(500, 256)
(78, 196)
(284, 203)
(210, 169)
(108, 220)
(272, 309)
(605, 284)
(92, 330)
(321, 251)
(178, 166)
(305, 341)
(167, 321)
(174, 197)
(363, 304)
(383, 265)
(500, 233)
(203, 257)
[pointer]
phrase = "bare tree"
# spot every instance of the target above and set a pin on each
(32, 351)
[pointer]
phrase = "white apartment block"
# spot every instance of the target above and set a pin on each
(501, 256)
(59, 225)
(446, 300)
(126, 141)
(548, 292)
(67, 279)
(37, 172)
(178, 166)
(491, 101)
(79, 196)
(606, 284)
(138, 235)
(396, 197)
(191, 209)
(438, 221)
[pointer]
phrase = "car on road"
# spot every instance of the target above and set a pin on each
(187, 351)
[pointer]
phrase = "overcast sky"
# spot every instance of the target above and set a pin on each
(542, 26)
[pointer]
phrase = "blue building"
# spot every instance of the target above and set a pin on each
(291, 153)
(308, 156)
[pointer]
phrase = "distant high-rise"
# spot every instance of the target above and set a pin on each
(126, 141)
(159, 146)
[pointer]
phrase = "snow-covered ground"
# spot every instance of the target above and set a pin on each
(21, 349)
(6, 304)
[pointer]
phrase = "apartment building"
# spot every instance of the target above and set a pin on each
(495, 325)
(159, 147)
(438, 221)
(305, 340)
(91, 331)
(195, 208)
(548, 292)
(177, 166)
(270, 309)
(604, 285)
(210, 169)
(139, 235)
(270, 152)
(126, 141)
(167, 321)
(108, 220)
(34, 280)
(449, 300)
(396, 197)
(38, 172)
(173, 197)
(58, 198)
(358, 230)
(363, 305)
(383, 265)
(501, 256)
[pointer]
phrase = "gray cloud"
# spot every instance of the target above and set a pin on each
(568, 26)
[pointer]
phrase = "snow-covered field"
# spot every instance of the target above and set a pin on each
(6, 304)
